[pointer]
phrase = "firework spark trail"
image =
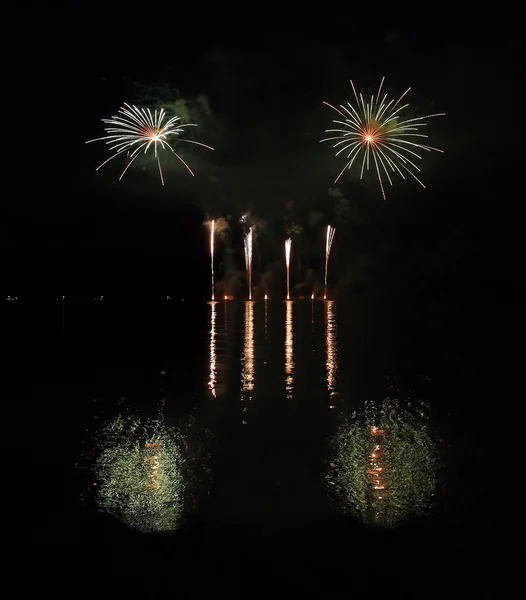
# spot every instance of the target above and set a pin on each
(372, 129)
(137, 128)
(248, 261)
(288, 244)
(212, 231)
(328, 243)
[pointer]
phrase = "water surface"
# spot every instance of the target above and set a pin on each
(268, 380)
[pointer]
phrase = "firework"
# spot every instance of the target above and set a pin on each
(288, 244)
(136, 129)
(212, 231)
(139, 474)
(385, 464)
(328, 245)
(266, 315)
(373, 130)
(248, 261)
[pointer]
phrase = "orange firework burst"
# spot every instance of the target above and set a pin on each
(373, 129)
(137, 129)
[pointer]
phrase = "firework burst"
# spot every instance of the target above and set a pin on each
(136, 129)
(373, 131)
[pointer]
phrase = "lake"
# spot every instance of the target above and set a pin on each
(266, 384)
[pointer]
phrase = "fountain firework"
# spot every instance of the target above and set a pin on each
(328, 244)
(288, 244)
(212, 231)
(248, 261)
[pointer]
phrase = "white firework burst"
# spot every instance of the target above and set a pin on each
(136, 129)
(373, 130)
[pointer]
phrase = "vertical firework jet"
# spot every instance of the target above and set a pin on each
(328, 244)
(266, 316)
(248, 261)
(288, 244)
(212, 231)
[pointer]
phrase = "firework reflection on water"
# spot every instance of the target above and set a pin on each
(212, 381)
(385, 464)
(247, 361)
(331, 333)
(289, 348)
(140, 474)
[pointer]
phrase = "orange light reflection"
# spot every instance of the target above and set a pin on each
(153, 461)
(213, 372)
(331, 333)
(376, 464)
(289, 349)
(247, 371)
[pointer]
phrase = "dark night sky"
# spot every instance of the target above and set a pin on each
(265, 73)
